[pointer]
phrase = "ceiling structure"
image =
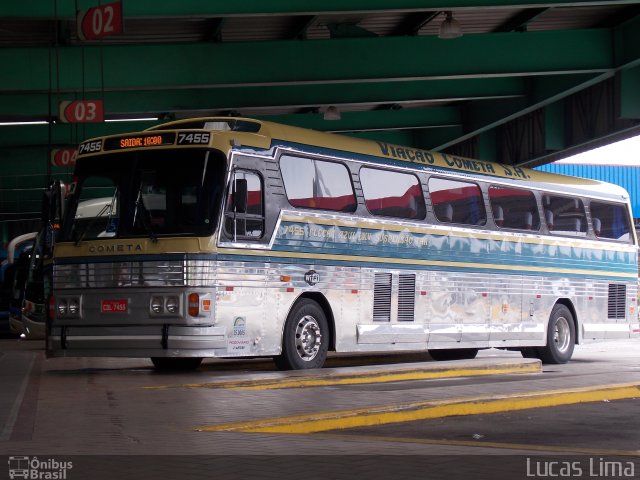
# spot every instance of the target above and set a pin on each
(527, 83)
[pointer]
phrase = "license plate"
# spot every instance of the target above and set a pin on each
(114, 306)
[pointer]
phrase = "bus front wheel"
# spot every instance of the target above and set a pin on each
(305, 339)
(561, 337)
(184, 363)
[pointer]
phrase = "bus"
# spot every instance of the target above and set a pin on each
(19, 253)
(32, 287)
(233, 237)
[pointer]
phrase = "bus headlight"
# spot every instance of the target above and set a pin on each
(62, 308)
(157, 305)
(74, 307)
(172, 305)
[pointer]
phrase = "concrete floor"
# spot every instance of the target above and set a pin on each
(101, 415)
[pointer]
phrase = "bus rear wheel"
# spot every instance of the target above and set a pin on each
(561, 337)
(454, 354)
(305, 339)
(165, 364)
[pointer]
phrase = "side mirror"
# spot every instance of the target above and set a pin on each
(45, 211)
(52, 212)
(240, 195)
(53, 204)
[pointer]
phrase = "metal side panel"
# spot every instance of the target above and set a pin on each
(392, 333)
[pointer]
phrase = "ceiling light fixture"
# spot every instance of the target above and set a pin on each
(332, 113)
(33, 122)
(138, 119)
(449, 28)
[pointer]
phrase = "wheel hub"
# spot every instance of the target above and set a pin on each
(308, 338)
(562, 334)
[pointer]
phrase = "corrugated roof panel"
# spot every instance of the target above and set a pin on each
(565, 18)
(471, 21)
(626, 177)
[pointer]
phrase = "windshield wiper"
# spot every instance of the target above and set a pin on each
(145, 216)
(109, 207)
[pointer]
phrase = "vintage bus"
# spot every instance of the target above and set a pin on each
(231, 237)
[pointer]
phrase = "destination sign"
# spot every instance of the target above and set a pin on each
(139, 141)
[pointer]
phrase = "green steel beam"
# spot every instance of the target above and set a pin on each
(484, 116)
(547, 90)
(192, 100)
(627, 43)
(554, 126)
(487, 146)
(630, 93)
(62, 134)
(204, 8)
(351, 60)
(409, 118)
(396, 137)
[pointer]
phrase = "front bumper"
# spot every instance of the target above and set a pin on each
(136, 341)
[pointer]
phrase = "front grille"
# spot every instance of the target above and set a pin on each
(617, 300)
(147, 273)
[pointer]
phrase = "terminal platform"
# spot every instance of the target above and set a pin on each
(369, 414)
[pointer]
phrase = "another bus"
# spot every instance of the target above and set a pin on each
(19, 252)
(232, 237)
(32, 288)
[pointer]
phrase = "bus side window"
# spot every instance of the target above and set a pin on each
(610, 221)
(565, 215)
(317, 184)
(457, 202)
(244, 215)
(514, 208)
(392, 194)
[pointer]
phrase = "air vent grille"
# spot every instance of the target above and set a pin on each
(382, 297)
(406, 297)
(617, 300)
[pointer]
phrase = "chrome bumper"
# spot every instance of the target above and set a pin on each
(136, 341)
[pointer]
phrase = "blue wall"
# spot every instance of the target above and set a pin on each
(626, 177)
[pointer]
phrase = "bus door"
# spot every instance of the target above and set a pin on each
(242, 302)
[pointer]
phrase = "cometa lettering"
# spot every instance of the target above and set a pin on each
(119, 248)
(468, 164)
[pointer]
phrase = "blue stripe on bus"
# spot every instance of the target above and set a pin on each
(316, 259)
(310, 261)
(445, 248)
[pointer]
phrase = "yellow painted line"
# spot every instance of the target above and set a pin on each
(482, 444)
(415, 411)
(363, 378)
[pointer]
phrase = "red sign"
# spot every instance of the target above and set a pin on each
(81, 111)
(114, 306)
(64, 157)
(100, 21)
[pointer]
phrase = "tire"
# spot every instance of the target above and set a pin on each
(305, 340)
(166, 364)
(454, 354)
(561, 337)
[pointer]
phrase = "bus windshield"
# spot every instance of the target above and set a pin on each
(173, 192)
